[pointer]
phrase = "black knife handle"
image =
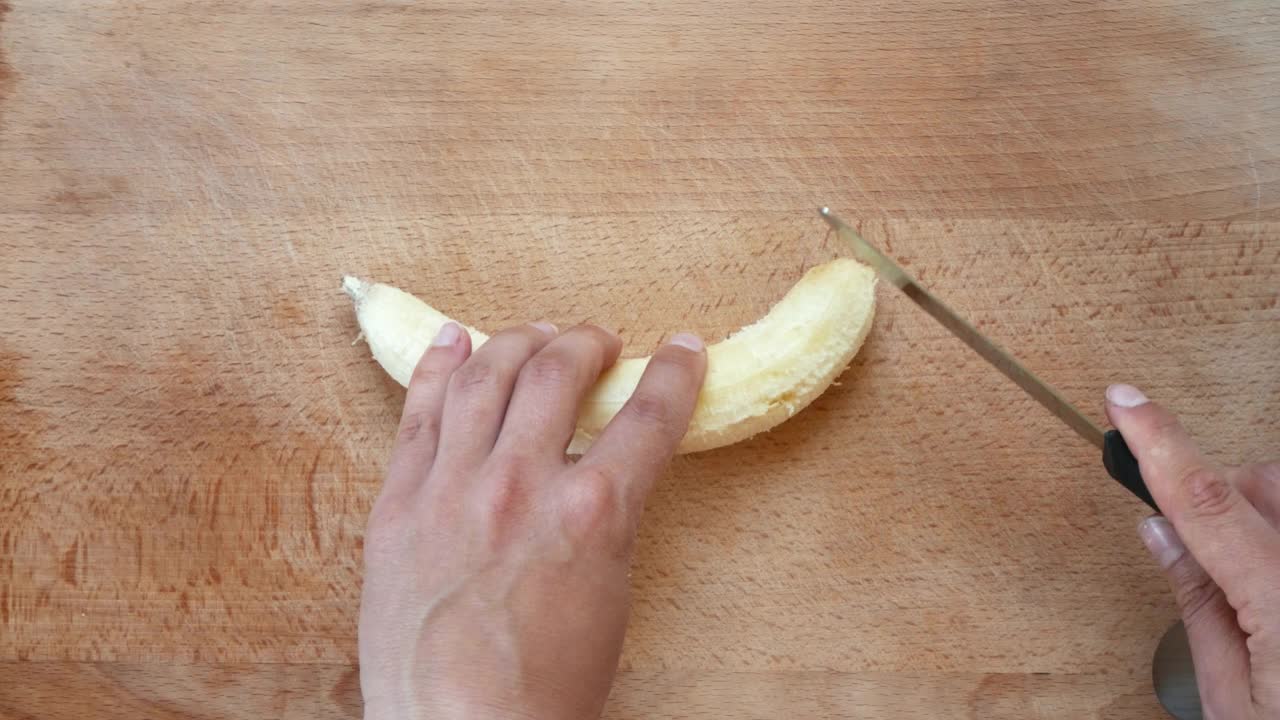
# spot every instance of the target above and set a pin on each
(1123, 466)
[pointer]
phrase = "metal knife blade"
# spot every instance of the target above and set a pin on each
(1116, 456)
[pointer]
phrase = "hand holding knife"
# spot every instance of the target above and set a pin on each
(1116, 457)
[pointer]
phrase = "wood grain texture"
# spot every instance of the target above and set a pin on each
(321, 692)
(189, 442)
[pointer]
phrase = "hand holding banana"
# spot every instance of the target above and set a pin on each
(496, 582)
(496, 570)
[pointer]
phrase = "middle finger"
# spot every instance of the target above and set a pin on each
(1260, 484)
(544, 405)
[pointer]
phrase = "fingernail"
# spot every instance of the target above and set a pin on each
(448, 335)
(1125, 396)
(688, 341)
(546, 327)
(1162, 541)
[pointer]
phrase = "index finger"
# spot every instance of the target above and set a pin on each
(639, 441)
(1225, 533)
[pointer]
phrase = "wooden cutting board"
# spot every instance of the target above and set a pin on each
(190, 441)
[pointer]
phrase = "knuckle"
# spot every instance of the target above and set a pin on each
(1165, 424)
(1256, 615)
(418, 425)
(1264, 651)
(1194, 591)
(503, 498)
(474, 375)
(504, 495)
(649, 408)
(591, 505)
(1208, 494)
(549, 368)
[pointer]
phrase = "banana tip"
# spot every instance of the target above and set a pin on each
(354, 286)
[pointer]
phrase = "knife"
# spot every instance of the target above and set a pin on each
(1116, 457)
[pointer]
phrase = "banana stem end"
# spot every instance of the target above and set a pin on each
(355, 287)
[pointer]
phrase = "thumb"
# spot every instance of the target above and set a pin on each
(1217, 643)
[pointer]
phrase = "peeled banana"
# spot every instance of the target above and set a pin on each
(756, 378)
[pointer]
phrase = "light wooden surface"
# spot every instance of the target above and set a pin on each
(189, 441)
